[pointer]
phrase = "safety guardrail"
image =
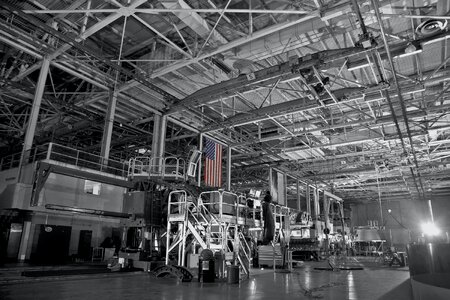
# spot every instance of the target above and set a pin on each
(64, 154)
(164, 167)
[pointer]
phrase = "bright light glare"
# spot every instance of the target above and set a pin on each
(430, 229)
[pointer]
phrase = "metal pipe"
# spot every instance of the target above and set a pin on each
(229, 168)
(87, 211)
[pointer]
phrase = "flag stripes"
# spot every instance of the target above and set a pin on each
(213, 163)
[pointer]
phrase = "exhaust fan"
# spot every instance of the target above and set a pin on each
(431, 27)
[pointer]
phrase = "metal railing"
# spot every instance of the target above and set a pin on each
(165, 167)
(220, 203)
(10, 161)
(254, 210)
(68, 155)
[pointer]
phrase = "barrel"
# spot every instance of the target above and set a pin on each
(233, 274)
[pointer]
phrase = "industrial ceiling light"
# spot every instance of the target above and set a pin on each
(356, 67)
(443, 38)
(429, 228)
(411, 49)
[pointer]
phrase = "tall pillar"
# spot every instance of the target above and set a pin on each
(159, 139)
(32, 121)
(26, 231)
(200, 148)
(109, 124)
(229, 168)
(326, 211)
(308, 199)
(316, 210)
(299, 206)
(317, 202)
(34, 115)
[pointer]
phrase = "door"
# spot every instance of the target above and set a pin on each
(84, 244)
(53, 244)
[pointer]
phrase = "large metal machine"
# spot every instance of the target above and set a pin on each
(216, 220)
(178, 221)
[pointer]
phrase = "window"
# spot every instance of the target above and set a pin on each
(92, 187)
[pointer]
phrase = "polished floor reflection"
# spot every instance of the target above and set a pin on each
(302, 283)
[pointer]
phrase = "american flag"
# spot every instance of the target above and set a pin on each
(213, 163)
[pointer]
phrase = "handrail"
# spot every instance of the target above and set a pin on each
(245, 264)
(170, 166)
(212, 216)
(192, 204)
(242, 239)
(56, 152)
(182, 210)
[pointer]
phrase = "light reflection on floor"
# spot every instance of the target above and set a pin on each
(351, 286)
(303, 283)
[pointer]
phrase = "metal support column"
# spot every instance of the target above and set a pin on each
(326, 211)
(229, 168)
(32, 121)
(270, 181)
(341, 212)
(26, 231)
(299, 206)
(200, 148)
(308, 199)
(316, 209)
(109, 124)
(111, 111)
(159, 137)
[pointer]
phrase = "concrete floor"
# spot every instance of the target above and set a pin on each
(303, 283)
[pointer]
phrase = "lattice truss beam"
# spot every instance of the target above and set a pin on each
(312, 88)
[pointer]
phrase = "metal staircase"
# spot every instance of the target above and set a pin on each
(210, 224)
(191, 218)
(244, 254)
(217, 220)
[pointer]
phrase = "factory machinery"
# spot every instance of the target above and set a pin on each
(216, 220)
(164, 214)
(228, 224)
(231, 226)
(178, 220)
